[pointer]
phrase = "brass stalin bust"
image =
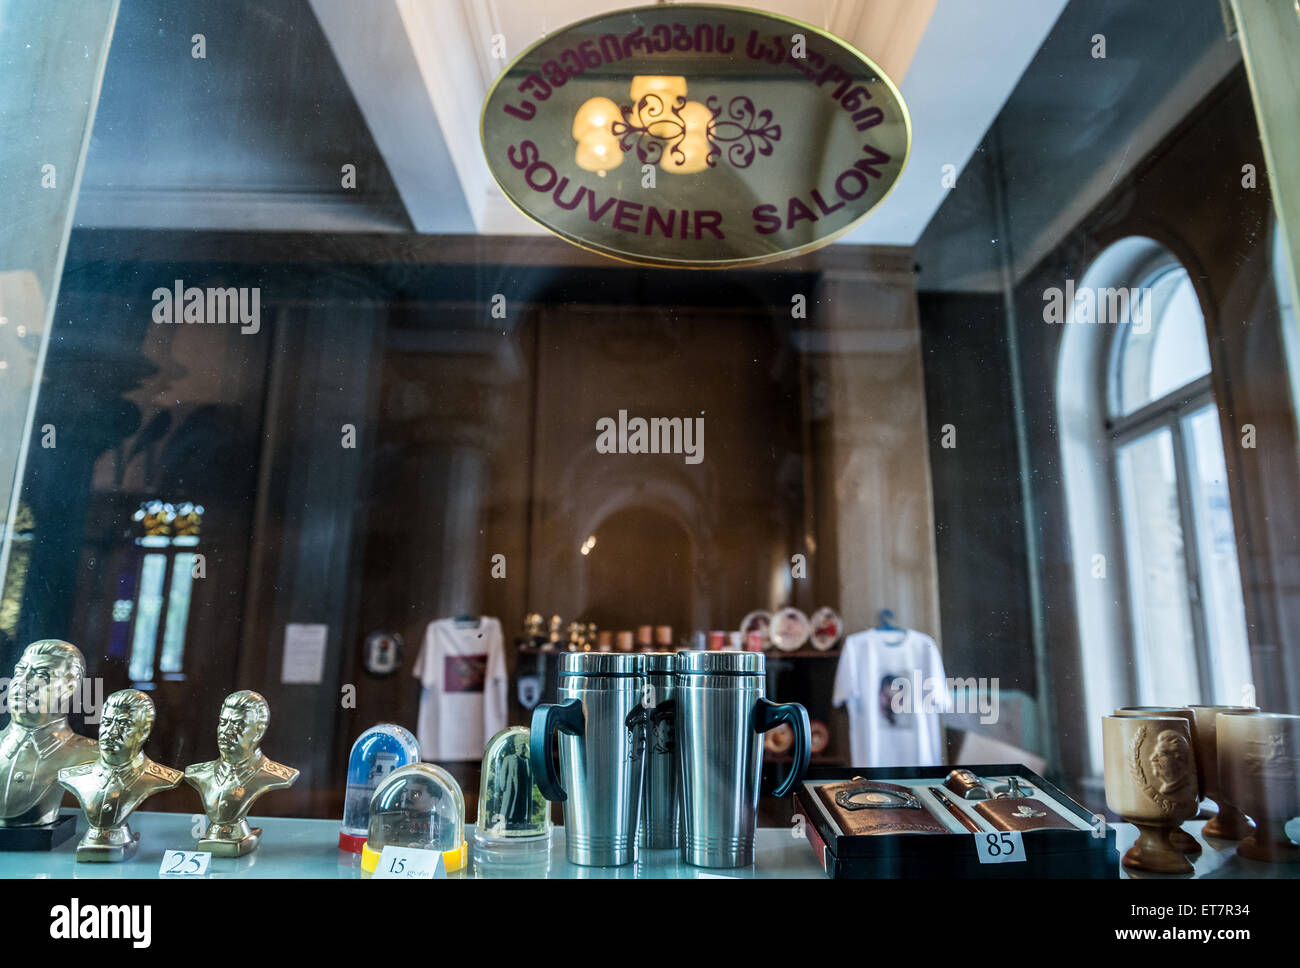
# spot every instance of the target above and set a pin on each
(230, 784)
(38, 742)
(111, 788)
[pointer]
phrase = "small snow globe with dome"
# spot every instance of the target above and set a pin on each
(379, 751)
(418, 807)
(514, 819)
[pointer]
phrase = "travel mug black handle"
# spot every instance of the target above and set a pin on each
(549, 718)
(769, 715)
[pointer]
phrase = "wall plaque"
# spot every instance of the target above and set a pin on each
(695, 135)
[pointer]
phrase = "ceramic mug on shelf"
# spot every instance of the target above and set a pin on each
(1230, 823)
(1259, 769)
(1151, 783)
(1180, 838)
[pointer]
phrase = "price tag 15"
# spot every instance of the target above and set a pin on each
(409, 863)
(184, 863)
(1003, 847)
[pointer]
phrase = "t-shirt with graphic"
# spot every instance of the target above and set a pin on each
(893, 684)
(462, 673)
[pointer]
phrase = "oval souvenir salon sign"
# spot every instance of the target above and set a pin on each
(695, 135)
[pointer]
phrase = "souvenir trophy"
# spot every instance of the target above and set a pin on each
(111, 788)
(1230, 823)
(230, 783)
(37, 744)
(1178, 837)
(1259, 767)
(534, 636)
(1151, 783)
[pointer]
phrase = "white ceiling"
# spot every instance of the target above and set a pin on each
(420, 70)
(254, 137)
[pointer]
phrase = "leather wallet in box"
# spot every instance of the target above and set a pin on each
(1021, 813)
(872, 807)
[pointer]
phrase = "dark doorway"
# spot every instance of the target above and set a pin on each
(641, 571)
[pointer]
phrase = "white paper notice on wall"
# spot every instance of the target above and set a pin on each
(304, 653)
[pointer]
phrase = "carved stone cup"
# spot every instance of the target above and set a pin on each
(1151, 783)
(1180, 838)
(1230, 823)
(1259, 768)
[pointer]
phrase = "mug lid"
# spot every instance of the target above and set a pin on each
(602, 664)
(721, 662)
(661, 663)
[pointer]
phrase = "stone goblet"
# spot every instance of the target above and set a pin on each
(1180, 838)
(1259, 768)
(1230, 823)
(1151, 783)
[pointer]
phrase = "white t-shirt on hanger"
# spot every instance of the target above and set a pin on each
(462, 672)
(894, 686)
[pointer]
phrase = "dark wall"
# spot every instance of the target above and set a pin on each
(978, 519)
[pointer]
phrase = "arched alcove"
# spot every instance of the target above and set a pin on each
(641, 571)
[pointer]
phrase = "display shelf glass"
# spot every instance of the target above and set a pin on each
(294, 848)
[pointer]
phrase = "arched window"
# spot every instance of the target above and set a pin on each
(1188, 617)
(1153, 544)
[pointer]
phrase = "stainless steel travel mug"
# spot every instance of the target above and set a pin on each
(661, 800)
(599, 726)
(721, 712)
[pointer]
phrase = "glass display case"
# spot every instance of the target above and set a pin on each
(376, 357)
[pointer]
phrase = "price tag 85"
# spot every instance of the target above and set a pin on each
(1003, 847)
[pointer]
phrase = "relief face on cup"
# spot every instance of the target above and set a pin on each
(1150, 769)
(1169, 712)
(1151, 783)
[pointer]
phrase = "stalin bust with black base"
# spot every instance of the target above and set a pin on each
(37, 744)
(230, 784)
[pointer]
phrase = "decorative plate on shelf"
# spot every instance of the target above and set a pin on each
(819, 736)
(827, 628)
(790, 629)
(760, 621)
(779, 739)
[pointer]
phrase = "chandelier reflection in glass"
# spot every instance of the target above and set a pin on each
(666, 129)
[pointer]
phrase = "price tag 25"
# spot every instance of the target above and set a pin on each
(408, 863)
(1003, 847)
(184, 863)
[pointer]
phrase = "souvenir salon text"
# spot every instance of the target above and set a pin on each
(624, 215)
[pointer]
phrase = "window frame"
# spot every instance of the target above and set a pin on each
(1169, 411)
